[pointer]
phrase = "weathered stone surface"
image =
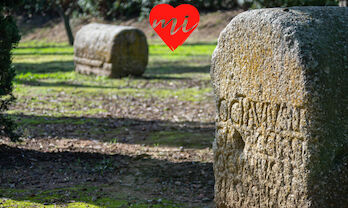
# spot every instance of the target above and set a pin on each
(108, 50)
(280, 80)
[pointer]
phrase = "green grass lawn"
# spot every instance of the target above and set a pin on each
(53, 65)
(47, 89)
(45, 71)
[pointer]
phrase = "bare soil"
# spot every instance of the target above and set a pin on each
(173, 174)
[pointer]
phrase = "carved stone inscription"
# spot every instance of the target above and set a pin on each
(245, 113)
(259, 152)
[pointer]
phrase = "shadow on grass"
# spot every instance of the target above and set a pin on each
(196, 135)
(45, 67)
(176, 68)
(201, 43)
(110, 180)
(36, 82)
(42, 53)
(44, 46)
(62, 84)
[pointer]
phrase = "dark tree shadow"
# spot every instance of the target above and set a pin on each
(152, 72)
(36, 82)
(44, 46)
(196, 135)
(176, 68)
(42, 53)
(62, 84)
(45, 67)
(201, 43)
(39, 171)
(161, 68)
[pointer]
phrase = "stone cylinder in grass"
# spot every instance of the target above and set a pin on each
(109, 50)
(280, 77)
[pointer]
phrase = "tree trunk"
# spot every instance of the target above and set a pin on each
(67, 26)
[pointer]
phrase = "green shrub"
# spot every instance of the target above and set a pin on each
(9, 36)
(113, 9)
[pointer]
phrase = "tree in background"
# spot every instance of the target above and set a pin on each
(123, 9)
(53, 8)
(9, 37)
(65, 8)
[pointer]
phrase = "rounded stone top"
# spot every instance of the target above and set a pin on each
(101, 38)
(282, 52)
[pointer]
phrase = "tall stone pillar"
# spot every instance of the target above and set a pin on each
(280, 78)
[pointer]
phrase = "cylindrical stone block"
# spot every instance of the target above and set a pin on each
(108, 50)
(280, 80)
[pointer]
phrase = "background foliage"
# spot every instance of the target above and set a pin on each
(113, 9)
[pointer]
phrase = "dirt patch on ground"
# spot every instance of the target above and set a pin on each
(177, 174)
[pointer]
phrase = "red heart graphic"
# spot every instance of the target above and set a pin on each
(174, 25)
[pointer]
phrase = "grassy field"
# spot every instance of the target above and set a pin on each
(99, 142)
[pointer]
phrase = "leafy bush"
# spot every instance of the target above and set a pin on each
(112, 9)
(8, 38)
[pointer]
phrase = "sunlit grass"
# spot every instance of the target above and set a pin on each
(41, 48)
(44, 70)
(74, 197)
